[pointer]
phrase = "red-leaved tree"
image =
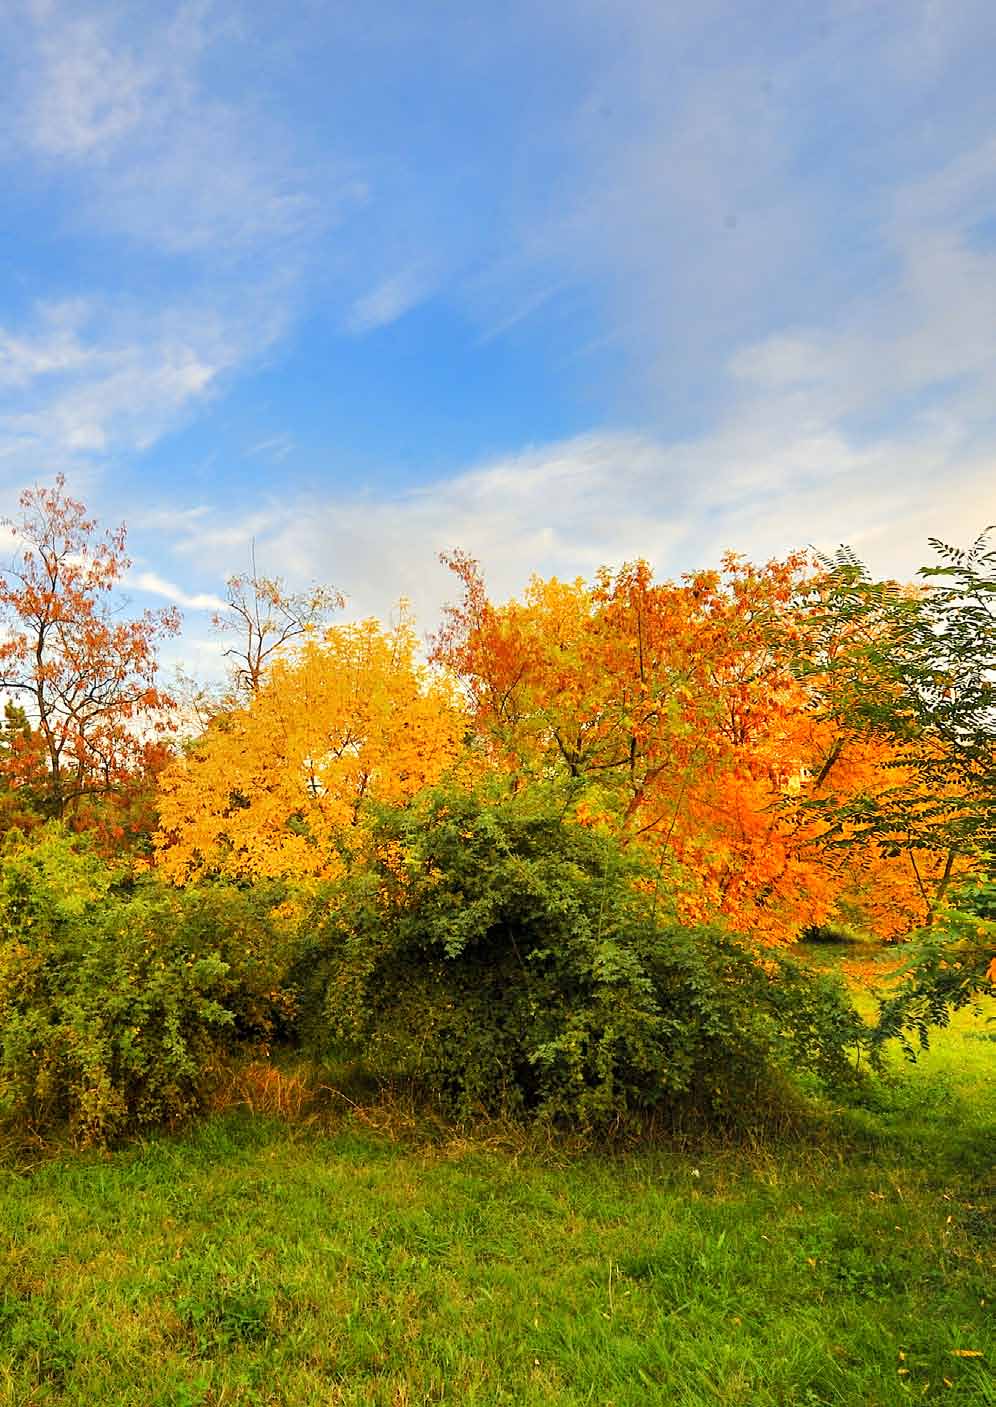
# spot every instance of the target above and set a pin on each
(84, 673)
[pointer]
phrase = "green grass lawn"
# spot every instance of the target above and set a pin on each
(253, 1260)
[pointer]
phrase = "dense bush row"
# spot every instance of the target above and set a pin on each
(495, 955)
(118, 996)
(508, 961)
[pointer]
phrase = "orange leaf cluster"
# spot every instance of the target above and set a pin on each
(84, 673)
(674, 709)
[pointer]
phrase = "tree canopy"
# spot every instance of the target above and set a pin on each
(85, 673)
(275, 787)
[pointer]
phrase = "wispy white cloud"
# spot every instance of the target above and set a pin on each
(388, 301)
(760, 486)
(116, 93)
(934, 35)
(92, 379)
(10, 542)
(93, 94)
(919, 350)
(155, 585)
(192, 656)
(877, 430)
(170, 520)
(51, 347)
(274, 447)
(746, 221)
(498, 323)
(724, 173)
(111, 105)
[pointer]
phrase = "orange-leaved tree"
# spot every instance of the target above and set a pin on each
(85, 675)
(674, 710)
(276, 788)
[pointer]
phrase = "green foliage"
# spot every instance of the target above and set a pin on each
(115, 997)
(951, 966)
(915, 668)
(238, 924)
(506, 959)
(22, 771)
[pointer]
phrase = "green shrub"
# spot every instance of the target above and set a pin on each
(950, 965)
(508, 960)
(116, 997)
(238, 924)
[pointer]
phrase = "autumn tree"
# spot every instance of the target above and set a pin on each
(276, 787)
(673, 710)
(262, 617)
(85, 675)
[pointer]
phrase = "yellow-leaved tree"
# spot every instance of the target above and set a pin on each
(275, 789)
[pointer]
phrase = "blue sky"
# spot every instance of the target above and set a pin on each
(559, 283)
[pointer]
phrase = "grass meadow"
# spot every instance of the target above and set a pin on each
(272, 1255)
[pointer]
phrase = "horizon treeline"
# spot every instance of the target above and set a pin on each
(550, 865)
(794, 743)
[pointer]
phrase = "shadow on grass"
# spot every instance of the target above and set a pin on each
(910, 1118)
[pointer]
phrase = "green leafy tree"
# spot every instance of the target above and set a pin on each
(916, 668)
(119, 998)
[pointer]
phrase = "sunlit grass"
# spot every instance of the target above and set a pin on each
(260, 1260)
